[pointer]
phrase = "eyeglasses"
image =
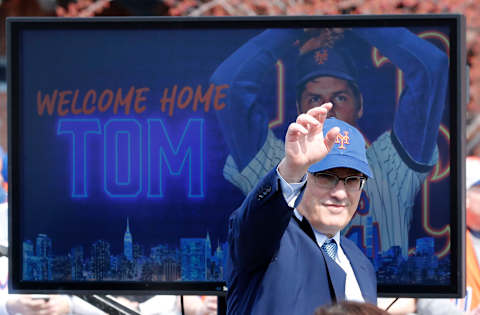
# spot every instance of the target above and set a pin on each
(329, 181)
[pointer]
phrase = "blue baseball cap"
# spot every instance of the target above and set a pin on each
(349, 149)
(324, 62)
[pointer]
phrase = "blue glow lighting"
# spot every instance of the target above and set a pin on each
(123, 156)
(161, 152)
(114, 161)
(117, 158)
(79, 129)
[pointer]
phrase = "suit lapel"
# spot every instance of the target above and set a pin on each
(361, 274)
(336, 277)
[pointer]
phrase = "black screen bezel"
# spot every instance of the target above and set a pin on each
(457, 88)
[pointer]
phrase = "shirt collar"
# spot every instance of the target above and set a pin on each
(319, 237)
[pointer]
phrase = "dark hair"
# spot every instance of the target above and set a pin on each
(350, 308)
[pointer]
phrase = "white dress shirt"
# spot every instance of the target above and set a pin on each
(352, 289)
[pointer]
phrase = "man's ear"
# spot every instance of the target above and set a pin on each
(360, 107)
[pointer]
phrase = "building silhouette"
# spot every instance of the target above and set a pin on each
(100, 259)
(128, 243)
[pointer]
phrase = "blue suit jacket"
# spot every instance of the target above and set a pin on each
(275, 267)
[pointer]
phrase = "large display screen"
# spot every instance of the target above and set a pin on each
(133, 140)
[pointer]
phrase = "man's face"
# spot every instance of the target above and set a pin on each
(329, 210)
(329, 89)
(473, 208)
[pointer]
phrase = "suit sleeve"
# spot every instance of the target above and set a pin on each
(244, 120)
(255, 229)
(422, 102)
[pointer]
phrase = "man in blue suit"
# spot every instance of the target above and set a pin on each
(286, 255)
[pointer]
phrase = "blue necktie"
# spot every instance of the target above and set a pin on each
(330, 247)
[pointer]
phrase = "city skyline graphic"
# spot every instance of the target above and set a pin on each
(194, 259)
(191, 260)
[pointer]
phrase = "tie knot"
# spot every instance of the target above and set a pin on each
(330, 247)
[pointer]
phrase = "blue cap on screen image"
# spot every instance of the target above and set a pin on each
(349, 149)
(324, 62)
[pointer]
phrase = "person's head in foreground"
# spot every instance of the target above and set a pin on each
(350, 308)
(335, 183)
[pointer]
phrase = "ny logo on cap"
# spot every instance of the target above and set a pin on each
(321, 56)
(345, 139)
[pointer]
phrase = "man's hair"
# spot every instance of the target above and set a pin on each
(350, 308)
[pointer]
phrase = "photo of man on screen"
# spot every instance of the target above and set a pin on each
(400, 158)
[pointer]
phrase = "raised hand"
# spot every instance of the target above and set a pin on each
(305, 143)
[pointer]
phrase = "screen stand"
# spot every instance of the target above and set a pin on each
(108, 305)
(222, 305)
